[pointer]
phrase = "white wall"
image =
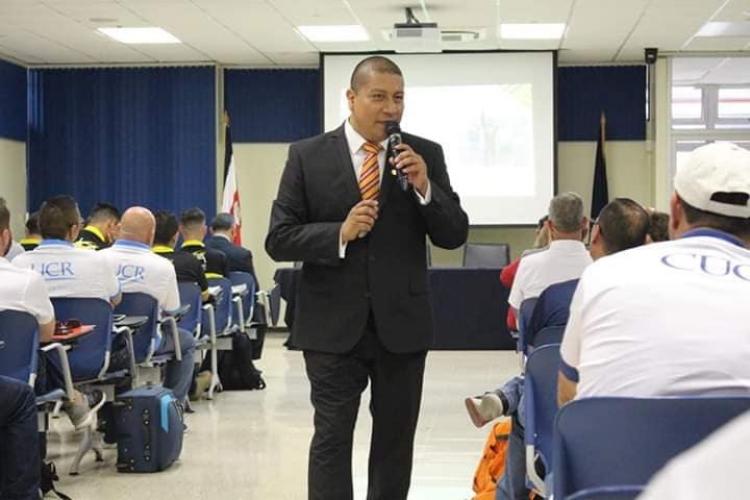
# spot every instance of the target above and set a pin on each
(13, 182)
(629, 170)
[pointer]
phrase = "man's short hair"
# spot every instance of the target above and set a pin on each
(193, 217)
(57, 215)
(102, 212)
(736, 226)
(372, 64)
(659, 226)
(166, 227)
(623, 223)
(32, 223)
(222, 222)
(566, 212)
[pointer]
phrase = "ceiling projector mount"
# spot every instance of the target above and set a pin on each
(416, 36)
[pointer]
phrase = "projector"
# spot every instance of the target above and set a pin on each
(416, 37)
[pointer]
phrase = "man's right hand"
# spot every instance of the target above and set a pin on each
(360, 220)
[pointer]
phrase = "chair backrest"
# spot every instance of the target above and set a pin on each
(148, 338)
(623, 441)
(223, 306)
(540, 398)
(485, 256)
(190, 294)
(90, 357)
(248, 301)
(19, 345)
(546, 336)
(523, 319)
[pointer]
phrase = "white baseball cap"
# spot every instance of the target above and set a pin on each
(716, 179)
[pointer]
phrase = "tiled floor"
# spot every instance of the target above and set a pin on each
(253, 445)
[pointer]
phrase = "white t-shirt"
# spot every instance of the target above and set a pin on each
(669, 318)
(24, 290)
(711, 469)
(14, 251)
(140, 270)
(69, 271)
(564, 260)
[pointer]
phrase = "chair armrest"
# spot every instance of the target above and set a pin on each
(65, 365)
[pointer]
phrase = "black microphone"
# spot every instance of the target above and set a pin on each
(394, 139)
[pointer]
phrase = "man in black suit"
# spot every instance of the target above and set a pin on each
(222, 237)
(362, 310)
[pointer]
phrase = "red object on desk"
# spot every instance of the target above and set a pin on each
(72, 333)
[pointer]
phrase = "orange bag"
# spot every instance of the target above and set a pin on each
(492, 464)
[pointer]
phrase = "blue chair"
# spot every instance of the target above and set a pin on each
(546, 336)
(89, 361)
(603, 442)
(486, 256)
(148, 339)
(524, 316)
(609, 493)
(540, 400)
(247, 301)
(274, 305)
(190, 294)
(19, 344)
(223, 306)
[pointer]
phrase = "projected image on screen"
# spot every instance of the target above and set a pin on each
(493, 116)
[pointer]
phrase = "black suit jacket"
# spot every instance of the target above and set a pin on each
(385, 271)
(238, 258)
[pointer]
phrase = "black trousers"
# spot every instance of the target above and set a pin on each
(336, 382)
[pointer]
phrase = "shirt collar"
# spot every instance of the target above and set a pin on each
(162, 249)
(132, 244)
(96, 231)
(55, 242)
(26, 241)
(714, 233)
(567, 244)
(355, 141)
(222, 235)
(193, 243)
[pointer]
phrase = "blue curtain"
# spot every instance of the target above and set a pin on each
(585, 91)
(129, 136)
(12, 101)
(273, 105)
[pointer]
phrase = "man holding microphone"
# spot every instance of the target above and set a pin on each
(363, 312)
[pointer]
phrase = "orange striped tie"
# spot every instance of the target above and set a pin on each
(369, 177)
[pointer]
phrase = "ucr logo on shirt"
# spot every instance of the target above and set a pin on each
(707, 264)
(130, 272)
(55, 270)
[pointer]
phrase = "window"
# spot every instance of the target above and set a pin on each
(687, 103)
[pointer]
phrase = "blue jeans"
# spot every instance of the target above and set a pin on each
(19, 448)
(512, 484)
(512, 390)
(179, 374)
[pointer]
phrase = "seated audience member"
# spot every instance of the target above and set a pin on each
(19, 448)
(659, 226)
(101, 229)
(22, 289)
(14, 249)
(669, 319)
(33, 236)
(186, 265)
(508, 273)
(222, 237)
(140, 270)
(566, 257)
(708, 470)
(622, 224)
(193, 230)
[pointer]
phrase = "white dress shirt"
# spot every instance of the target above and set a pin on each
(358, 155)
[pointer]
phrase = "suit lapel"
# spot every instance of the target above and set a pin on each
(345, 162)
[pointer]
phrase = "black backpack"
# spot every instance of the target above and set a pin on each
(236, 369)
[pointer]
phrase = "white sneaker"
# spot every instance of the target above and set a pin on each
(485, 408)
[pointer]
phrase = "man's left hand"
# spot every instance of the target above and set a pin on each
(413, 165)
